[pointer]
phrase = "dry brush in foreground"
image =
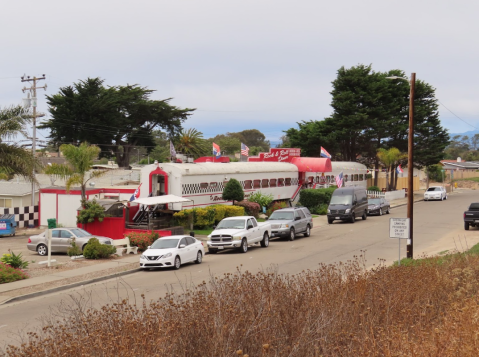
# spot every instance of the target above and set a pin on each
(337, 310)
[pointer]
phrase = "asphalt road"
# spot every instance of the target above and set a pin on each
(438, 227)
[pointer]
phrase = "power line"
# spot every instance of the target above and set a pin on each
(457, 116)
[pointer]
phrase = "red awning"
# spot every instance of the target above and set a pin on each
(312, 164)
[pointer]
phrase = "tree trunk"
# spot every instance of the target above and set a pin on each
(376, 173)
(123, 157)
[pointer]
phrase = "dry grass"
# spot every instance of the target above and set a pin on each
(336, 310)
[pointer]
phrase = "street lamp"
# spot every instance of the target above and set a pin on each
(410, 171)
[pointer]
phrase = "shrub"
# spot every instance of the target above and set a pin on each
(95, 250)
(322, 209)
(261, 199)
(74, 250)
(142, 239)
(233, 191)
(9, 274)
(374, 188)
(251, 208)
(276, 206)
(311, 198)
(234, 211)
(90, 211)
(202, 217)
(14, 260)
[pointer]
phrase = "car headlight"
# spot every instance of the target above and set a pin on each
(329, 211)
(237, 237)
(142, 256)
(348, 210)
(167, 255)
(285, 226)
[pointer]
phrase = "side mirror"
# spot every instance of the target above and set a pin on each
(250, 226)
(297, 218)
(214, 227)
(149, 247)
(182, 246)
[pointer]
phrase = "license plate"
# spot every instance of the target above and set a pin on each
(337, 218)
(220, 247)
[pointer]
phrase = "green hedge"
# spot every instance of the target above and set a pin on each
(207, 216)
(313, 198)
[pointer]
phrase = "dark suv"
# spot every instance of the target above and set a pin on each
(288, 222)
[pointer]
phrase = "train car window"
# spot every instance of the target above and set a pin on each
(257, 184)
(345, 178)
(310, 179)
(213, 184)
(280, 182)
(272, 183)
(204, 185)
(264, 183)
(361, 177)
(356, 177)
(248, 184)
(288, 182)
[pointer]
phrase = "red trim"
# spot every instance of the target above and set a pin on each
(89, 192)
(56, 205)
(39, 210)
(158, 171)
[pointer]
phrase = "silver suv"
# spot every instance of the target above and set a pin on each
(288, 222)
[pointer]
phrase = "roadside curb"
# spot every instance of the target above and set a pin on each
(69, 286)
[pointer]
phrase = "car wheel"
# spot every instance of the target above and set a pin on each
(83, 248)
(42, 250)
(212, 251)
(177, 264)
(442, 198)
(353, 218)
(292, 234)
(330, 221)
(445, 197)
(365, 215)
(265, 241)
(199, 258)
(244, 246)
(380, 211)
(388, 210)
(308, 231)
(466, 226)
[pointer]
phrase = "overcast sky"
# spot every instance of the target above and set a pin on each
(243, 64)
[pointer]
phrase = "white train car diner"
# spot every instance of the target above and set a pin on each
(203, 183)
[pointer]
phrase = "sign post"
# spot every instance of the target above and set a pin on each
(399, 228)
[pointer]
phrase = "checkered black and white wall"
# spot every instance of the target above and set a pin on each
(24, 216)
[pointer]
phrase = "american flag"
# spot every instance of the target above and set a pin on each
(244, 150)
(339, 180)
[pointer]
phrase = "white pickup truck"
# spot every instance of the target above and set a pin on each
(238, 232)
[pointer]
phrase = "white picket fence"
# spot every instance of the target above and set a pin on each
(390, 195)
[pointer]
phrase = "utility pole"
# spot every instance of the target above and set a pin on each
(33, 90)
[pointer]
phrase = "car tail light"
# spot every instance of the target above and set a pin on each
(29, 240)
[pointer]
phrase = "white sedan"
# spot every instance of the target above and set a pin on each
(172, 251)
(435, 193)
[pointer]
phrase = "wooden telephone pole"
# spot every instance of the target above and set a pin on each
(33, 103)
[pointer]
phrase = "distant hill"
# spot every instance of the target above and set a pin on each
(468, 133)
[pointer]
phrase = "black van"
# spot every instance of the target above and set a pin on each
(347, 203)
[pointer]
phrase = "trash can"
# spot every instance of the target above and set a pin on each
(7, 225)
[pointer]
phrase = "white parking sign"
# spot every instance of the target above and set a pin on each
(399, 228)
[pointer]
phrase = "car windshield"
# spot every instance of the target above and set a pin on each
(374, 201)
(341, 200)
(434, 189)
(165, 244)
(80, 232)
(231, 224)
(281, 216)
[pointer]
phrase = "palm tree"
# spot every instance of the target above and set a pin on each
(80, 161)
(191, 142)
(390, 159)
(15, 160)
